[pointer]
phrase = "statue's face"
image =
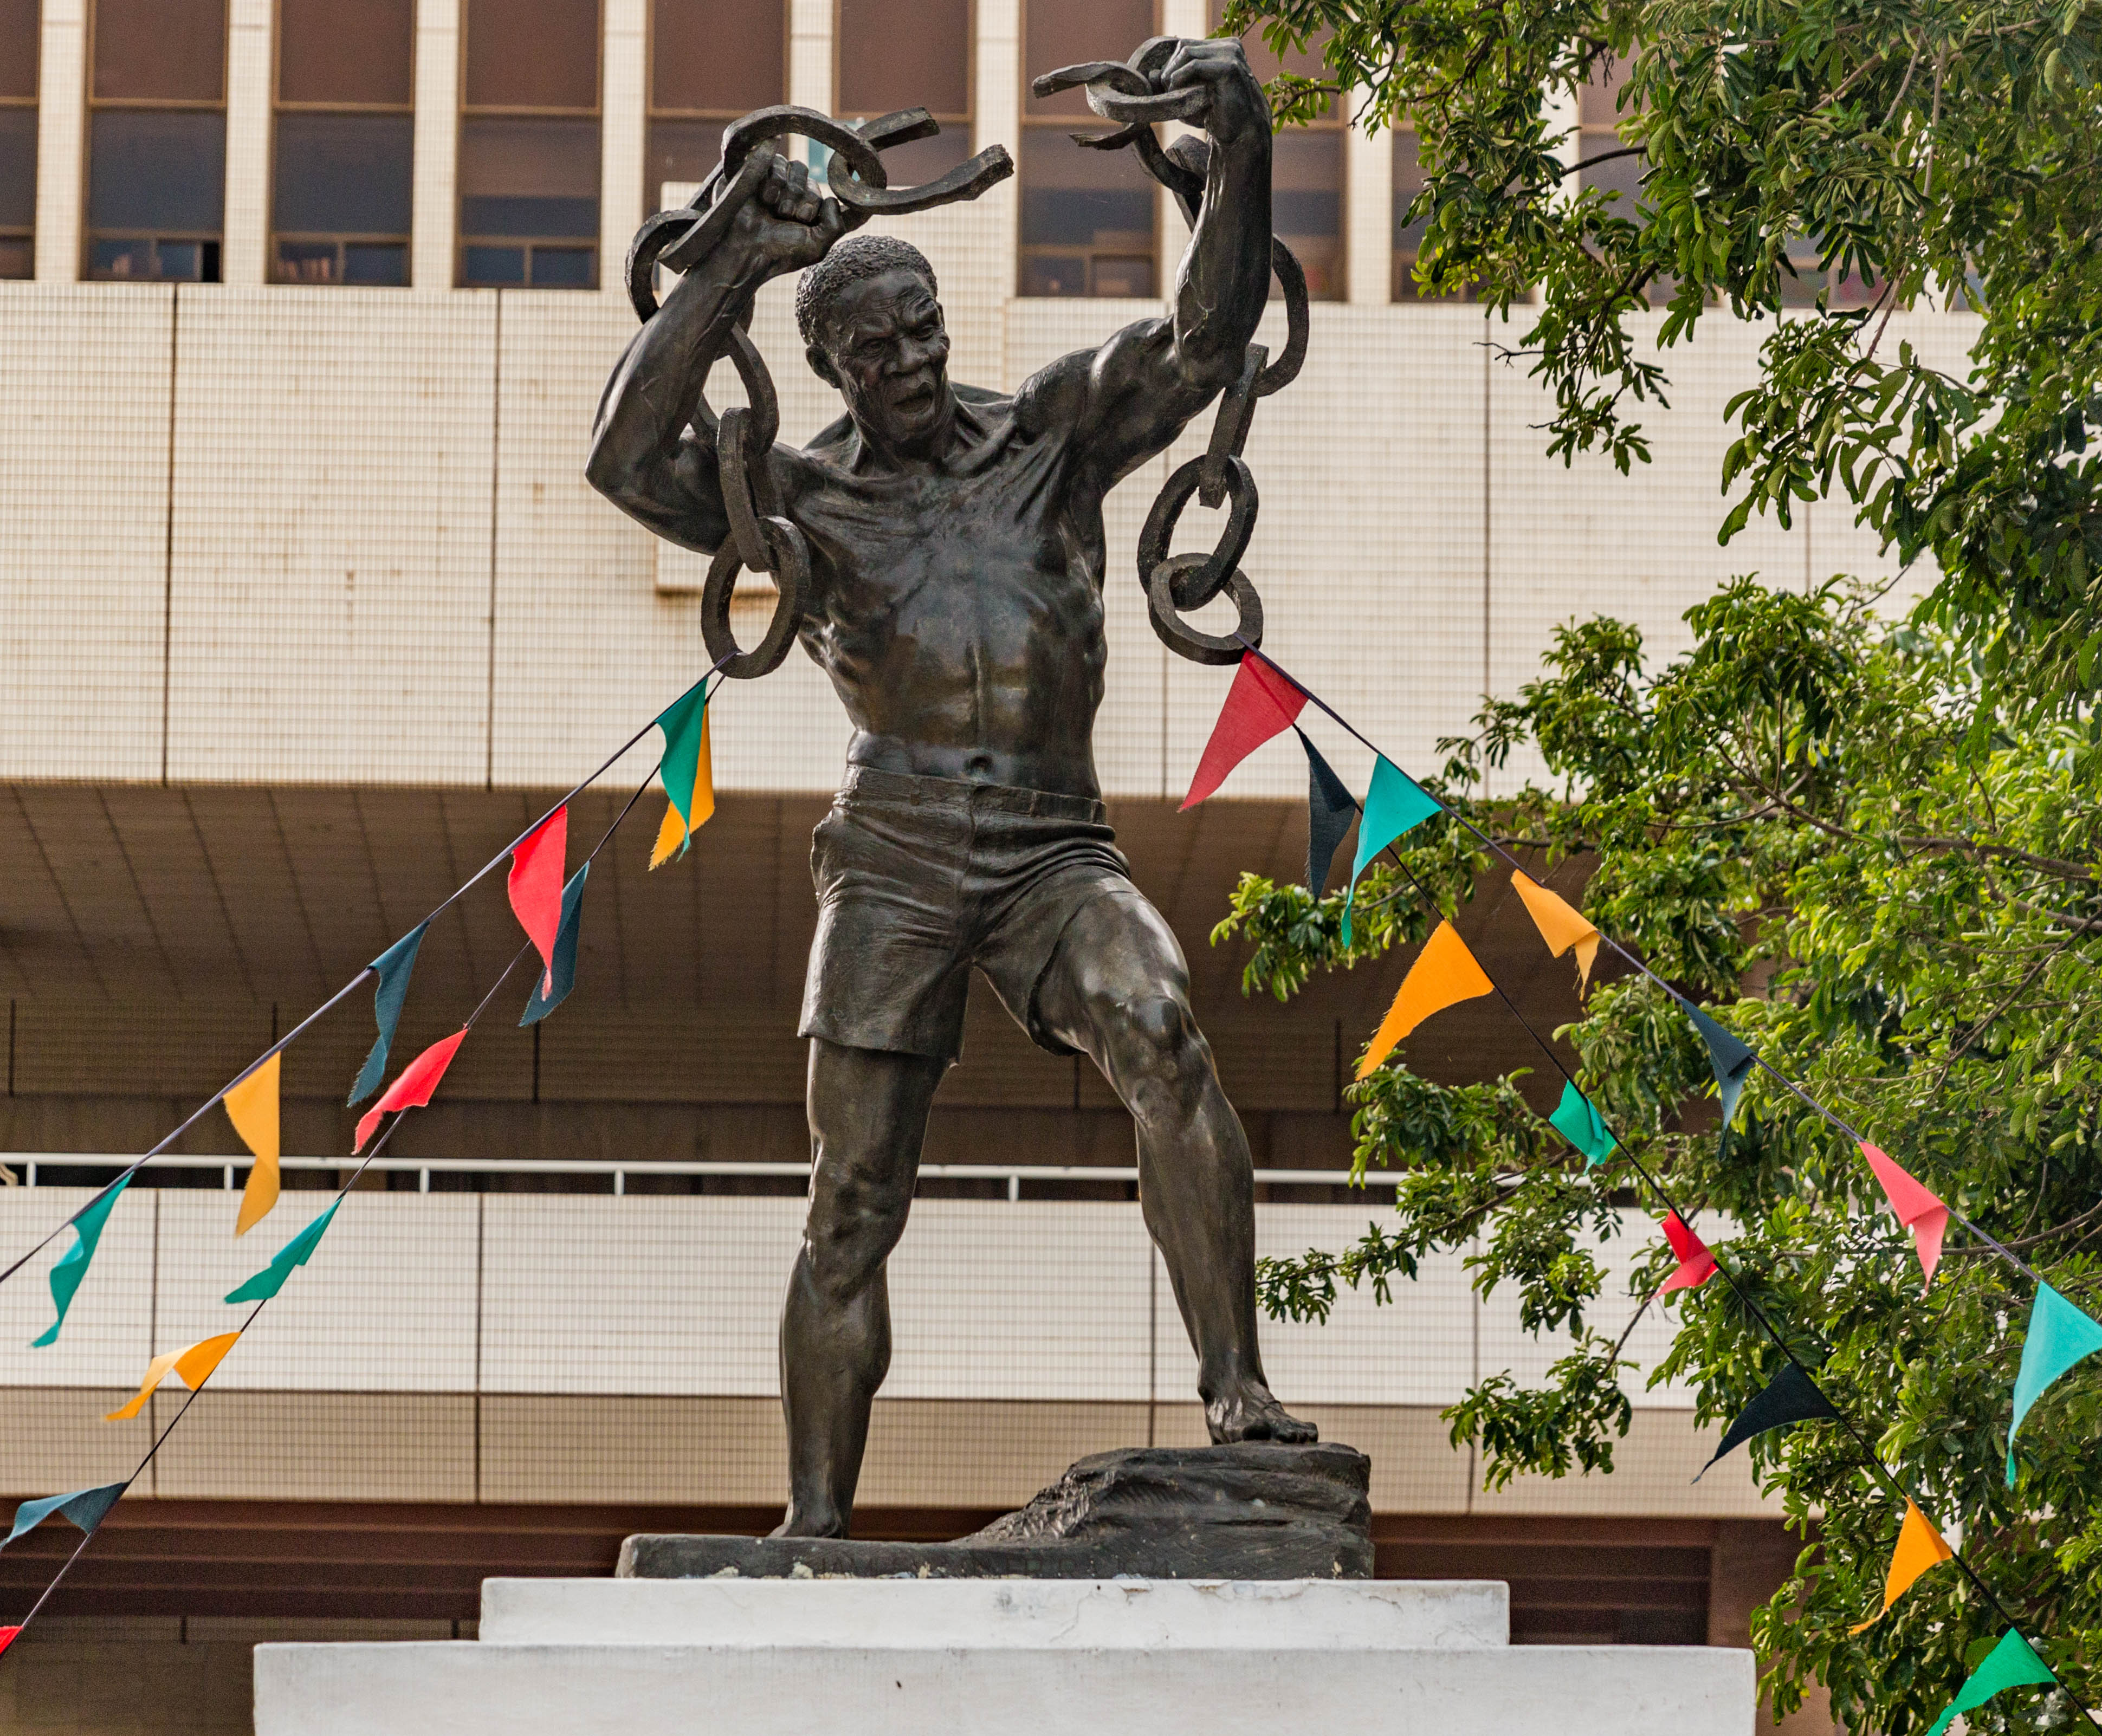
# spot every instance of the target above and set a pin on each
(886, 351)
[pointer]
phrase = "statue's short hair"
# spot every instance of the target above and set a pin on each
(853, 260)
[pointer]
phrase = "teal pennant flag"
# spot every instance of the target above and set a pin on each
(1727, 1055)
(2059, 1336)
(71, 1267)
(85, 1507)
(562, 971)
(1395, 803)
(394, 965)
(1577, 1121)
(296, 1252)
(2012, 1664)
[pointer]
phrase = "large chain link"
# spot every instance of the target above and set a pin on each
(761, 538)
(1125, 92)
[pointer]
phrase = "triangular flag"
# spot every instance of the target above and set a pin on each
(1917, 1209)
(535, 884)
(296, 1252)
(561, 976)
(1697, 1265)
(1577, 1121)
(193, 1367)
(1330, 809)
(1260, 704)
(393, 966)
(1395, 803)
(412, 1089)
(1444, 974)
(1727, 1055)
(1920, 1546)
(2012, 1664)
(687, 772)
(2059, 1335)
(71, 1267)
(85, 1507)
(251, 1106)
(7, 1638)
(1559, 925)
(1790, 1396)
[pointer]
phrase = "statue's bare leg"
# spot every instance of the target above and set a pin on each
(1117, 989)
(868, 1119)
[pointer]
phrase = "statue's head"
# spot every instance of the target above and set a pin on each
(873, 329)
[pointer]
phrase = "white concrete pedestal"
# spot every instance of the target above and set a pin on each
(993, 1657)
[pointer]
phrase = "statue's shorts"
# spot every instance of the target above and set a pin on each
(920, 879)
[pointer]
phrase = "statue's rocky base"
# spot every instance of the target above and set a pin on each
(1254, 1511)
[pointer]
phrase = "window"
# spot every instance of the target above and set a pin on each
(1408, 180)
(529, 145)
(20, 39)
(1306, 173)
(710, 61)
(1087, 216)
(157, 140)
(915, 57)
(345, 142)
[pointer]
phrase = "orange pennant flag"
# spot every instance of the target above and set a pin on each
(193, 1367)
(1920, 1546)
(1444, 974)
(1560, 925)
(252, 1107)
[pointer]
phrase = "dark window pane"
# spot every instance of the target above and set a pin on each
(893, 56)
(1063, 33)
(1621, 176)
(1407, 183)
(1116, 275)
(161, 51)
(343, 174)
(18, 258)
(383, 263)
(723, 54)
(308, 262)
(155, 262)
(485, 267)
(345, 51)
(1306, 205)
(528, 177)
(679, 151)
(18, 168)
(927, 159)
(1094, 198)
(532, 53)
(1599, 103)
(161, 170)
(20, 39)
(562, 268)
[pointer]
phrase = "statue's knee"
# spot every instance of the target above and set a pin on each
(847, 1240)
(1159, 1049)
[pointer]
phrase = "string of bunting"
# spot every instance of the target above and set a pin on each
(1263, 702)
(548, 907)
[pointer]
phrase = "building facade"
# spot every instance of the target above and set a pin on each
(306, 307)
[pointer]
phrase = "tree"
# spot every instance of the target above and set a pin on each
(1945, 153)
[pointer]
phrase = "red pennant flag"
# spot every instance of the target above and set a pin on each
(7, 1637)
(413, 1089)
(1260, 704)
(1697, 1265)
(1917, 1207)
(536, 884)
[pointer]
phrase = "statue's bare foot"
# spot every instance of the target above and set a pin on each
(798, 1523)
(1248, 1412)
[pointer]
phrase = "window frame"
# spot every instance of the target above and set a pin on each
(463, 113)
(345, 239)
(651, 113)
(1024, 251)
(34, 104)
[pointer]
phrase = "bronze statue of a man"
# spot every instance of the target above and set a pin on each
(957, 562)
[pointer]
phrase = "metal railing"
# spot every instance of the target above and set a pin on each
(28, 1164)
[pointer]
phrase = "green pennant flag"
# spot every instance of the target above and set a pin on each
(71, 1267)
(2012, 1664)
(296, 1252)
(1577, 1121)
(562, 971)
(1729, 1057)
(394, 965)
(2059, 1335)
(1395, 803)
(85, 1507)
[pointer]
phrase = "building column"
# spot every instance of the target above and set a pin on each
(623, 121)
(810, 54)
(997, 73)
(1367, 217)
(246, 236)
(1189, 18)
(437, 144)
(61, 140)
